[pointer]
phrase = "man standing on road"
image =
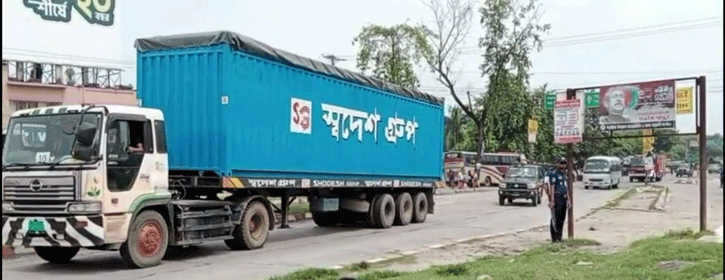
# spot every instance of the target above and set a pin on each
(559, 202)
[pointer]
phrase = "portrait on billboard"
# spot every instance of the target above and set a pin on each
(637, 106)
(618, 103)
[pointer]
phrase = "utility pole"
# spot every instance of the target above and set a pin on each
(333, 58)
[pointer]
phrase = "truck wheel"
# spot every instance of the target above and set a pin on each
(58, 255)
(403, 209)
(511, 200)
(533, 201)
(631, 179)
(487, 182)
(501, 200)
(147, 241)
(324, 219)
(586, 187)
(384, 211)
(253, 231)
(420, 207)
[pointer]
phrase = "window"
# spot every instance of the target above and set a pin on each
(23, 105)
(127, 143)
(160, 137)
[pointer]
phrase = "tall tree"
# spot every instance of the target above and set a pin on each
(391, 52)
(512, 32)
(452, 24)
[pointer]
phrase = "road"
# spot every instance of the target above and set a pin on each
(457, 216)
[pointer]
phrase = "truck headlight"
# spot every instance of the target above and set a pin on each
(531, 185)
(7, 207)
(85, 207)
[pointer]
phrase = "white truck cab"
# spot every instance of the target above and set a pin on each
(73, 177)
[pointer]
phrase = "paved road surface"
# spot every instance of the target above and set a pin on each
(457, 216)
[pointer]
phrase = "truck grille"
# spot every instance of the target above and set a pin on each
(516, 186)
(596, 180)
(42, 195)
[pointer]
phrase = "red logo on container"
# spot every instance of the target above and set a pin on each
(302, 115)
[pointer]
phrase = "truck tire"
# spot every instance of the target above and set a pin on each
(324, 219)
(403, 209)
(57, 255)
(487, 181)
(148, 238)
(533, 201)
(384, 211)
(253, 231)
(501, 200)
(420, 208)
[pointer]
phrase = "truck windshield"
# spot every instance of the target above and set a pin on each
(521, 172)
(596, 166)
(39, 140)
(637, 161)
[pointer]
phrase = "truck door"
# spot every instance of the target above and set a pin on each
(129, 148)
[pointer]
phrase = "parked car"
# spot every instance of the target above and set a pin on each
(715, 168)
(522, 181)
(684, 170)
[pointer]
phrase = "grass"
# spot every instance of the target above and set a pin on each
(298, 208)
(565, 261)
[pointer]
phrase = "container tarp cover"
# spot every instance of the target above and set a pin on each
(254, 47)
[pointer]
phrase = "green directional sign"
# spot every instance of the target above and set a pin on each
(550, 100)
(591, 99)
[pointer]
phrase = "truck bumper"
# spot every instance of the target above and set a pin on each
(527, 193)
(597, 184)
(71, 231)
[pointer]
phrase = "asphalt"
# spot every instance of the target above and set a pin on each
(458, 217)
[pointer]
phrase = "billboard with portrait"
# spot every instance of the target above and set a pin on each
(637, 106)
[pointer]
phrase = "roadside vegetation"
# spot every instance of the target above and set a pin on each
(676, 255)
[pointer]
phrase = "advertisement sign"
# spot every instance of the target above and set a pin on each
(638, 106)
(568, 121)
(647, 142)
(74, 32)
(684, 100)
(533, 128)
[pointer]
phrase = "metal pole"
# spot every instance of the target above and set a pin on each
(570, 186)
(702, 129)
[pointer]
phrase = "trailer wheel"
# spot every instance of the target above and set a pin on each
(147, 241)
(253, 231)
(403, 209)
(324, 219)
(57, 255)
(384, 211)
(420, 207)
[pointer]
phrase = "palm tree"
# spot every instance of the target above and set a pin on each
(454, 127)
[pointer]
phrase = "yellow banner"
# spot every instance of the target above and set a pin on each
(647, 142)
(684, 100)
(533, 126)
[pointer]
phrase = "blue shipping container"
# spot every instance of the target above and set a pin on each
(239, 113)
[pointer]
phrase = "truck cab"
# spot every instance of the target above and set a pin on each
(75, 176)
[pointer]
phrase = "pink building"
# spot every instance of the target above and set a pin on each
(29, 84)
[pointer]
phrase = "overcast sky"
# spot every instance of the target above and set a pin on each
(314, 27)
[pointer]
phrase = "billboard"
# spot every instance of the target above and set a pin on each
(75, 32)
(637, 106)
(568, 121)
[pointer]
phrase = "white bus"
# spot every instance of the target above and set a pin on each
(602, 172)
(457, 161)
(493, 166)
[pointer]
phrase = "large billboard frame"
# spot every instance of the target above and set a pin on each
(701, 132)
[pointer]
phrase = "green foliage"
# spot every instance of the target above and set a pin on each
(391, 52)
(309, 274)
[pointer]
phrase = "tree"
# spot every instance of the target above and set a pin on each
(455, 128)
(512, 33)
(391, 52)
(452, 25)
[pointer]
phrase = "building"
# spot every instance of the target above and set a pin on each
(32, 84)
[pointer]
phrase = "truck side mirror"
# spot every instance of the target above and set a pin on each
(85, 134)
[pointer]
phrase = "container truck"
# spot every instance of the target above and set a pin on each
(224, 122)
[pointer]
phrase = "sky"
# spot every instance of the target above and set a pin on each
(314, 27)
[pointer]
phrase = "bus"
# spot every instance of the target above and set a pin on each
(458, 161)
(602, 171)
(493, 166)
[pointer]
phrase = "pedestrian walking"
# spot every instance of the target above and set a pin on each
(559, 200)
